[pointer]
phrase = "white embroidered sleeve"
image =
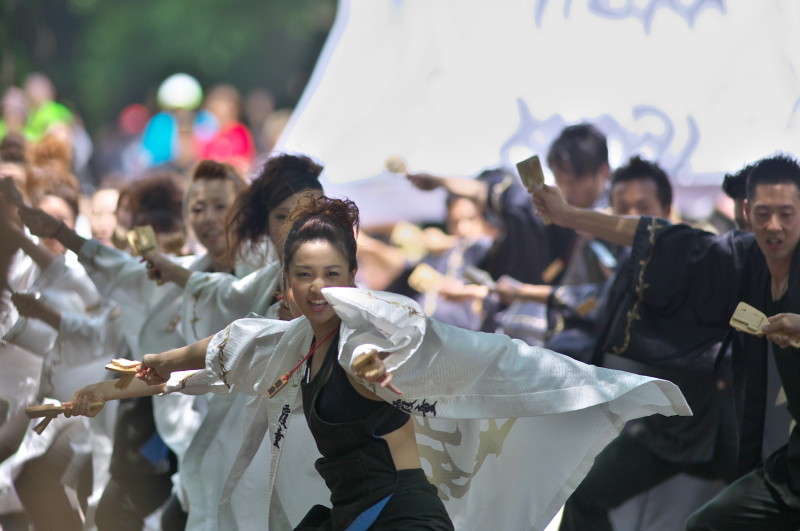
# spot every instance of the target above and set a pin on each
(212, 300)
(466, 374)
(239, 354)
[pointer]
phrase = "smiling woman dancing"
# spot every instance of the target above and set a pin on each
(370, 455)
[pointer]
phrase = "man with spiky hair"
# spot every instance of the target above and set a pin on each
(768, 497)
(650, 451)
(688, 284)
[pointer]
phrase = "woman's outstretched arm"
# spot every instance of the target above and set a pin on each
(157, 368)
(89, 400)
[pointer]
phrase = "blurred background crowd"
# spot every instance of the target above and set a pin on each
(103, 129)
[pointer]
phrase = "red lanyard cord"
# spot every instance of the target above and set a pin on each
(283, 380)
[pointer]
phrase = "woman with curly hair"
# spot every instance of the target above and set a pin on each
(345, 360)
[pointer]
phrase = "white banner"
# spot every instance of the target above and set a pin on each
(455, 86)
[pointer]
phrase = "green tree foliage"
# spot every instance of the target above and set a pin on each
(103, 55)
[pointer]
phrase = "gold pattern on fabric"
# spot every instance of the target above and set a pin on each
(185, 380)
(445, 471)
(633, 314)
(196, 297)
(411, 310)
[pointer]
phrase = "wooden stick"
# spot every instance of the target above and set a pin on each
(127, 369)
(39, 428)
(45, 410)
(749, 320)
(364, 361)
(532, 176)
(123, 366)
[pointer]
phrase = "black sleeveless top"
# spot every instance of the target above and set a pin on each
(338, 402)
(356, 465)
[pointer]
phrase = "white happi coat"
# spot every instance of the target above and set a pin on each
(162, 317)
(150, 317)
(89, 333)
(552, 415)
(212, 301)
(73, 355)
(19, 378)
(69, 357)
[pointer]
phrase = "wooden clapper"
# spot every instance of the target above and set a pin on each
(751, 321)
(126, 369)
(47, 412)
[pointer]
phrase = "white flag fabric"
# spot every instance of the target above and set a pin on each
(455, 86)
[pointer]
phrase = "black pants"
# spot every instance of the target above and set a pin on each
(749, 504)
(126, 502)
(624, 469)
(414, 490)
(414, 506)
(173, 518)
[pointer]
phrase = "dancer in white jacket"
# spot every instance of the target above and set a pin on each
(212, 300)
(515, 473)
(151, 314)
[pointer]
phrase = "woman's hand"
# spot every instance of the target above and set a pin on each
(156, 267)
(30, 305)
(87, 402)
(784, 329)
(153, 370)
(436, 242)
(12, 194)
(161, 269)
(40, 222)
(370, 367)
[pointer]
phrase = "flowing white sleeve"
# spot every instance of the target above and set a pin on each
(212, 300)
(86, 341)
(451, 372)
(236, 359)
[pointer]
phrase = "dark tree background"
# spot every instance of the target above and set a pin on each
(105, 54)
